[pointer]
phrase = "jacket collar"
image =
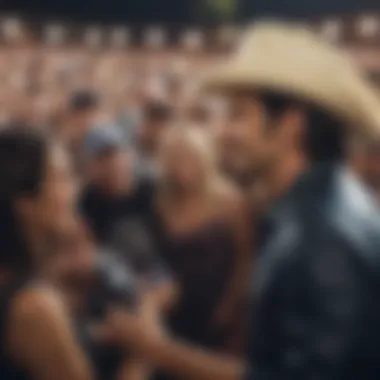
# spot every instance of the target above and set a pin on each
(355, 195)
(354, 212)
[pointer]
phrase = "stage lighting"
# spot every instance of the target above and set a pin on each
(11, 29)
(228, 35)
(193, 39)
(154, 37)
(332, 29)
(119, 37)
(368, 26)
(93, 36)
(54, 34)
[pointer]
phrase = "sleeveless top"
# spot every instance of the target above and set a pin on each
(9, 370)
(202, 262)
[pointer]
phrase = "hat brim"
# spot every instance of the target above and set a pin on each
(230, 78)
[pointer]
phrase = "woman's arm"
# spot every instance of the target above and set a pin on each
(165, 294)
(232, 305)
(190, 362)
(134, 369)
(137, 368)
(146, 337)
(40, 338)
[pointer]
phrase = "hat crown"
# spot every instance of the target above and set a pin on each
(291, 59)
(269, 42)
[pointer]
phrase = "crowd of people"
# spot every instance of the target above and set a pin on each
(36, 80)
(169, 217)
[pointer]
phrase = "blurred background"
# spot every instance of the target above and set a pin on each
(49, 49)
(187, 11)
(109, 78)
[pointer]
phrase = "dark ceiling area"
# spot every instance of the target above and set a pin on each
(179, 11)
(137, 11)
(305, 8)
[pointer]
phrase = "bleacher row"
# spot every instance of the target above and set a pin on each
(358, 29)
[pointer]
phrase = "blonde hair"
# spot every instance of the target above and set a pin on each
(201, 143)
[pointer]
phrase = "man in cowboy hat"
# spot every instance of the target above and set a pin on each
(315, 284)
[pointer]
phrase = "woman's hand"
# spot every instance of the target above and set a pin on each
(144, 333)
(140, 328)
(165, 295)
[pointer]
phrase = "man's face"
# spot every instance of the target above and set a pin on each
(112, 170)
(246, 146)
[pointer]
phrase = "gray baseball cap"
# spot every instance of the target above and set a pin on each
(103, 138)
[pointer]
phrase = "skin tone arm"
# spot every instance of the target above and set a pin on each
(38, 316)
(40, 338)
(193, 363)
(149, 340)
(134, 369)
(232, 303)
(165, 295)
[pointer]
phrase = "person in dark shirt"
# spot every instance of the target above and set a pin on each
(118, 206)
(113, 191)
(315, 284)
(80, 116)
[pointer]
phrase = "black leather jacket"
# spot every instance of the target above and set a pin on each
(316, 314)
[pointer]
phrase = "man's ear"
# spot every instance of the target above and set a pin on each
(293, 125)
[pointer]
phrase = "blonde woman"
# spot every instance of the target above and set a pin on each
(204, 240)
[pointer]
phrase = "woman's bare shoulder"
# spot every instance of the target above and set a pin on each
(36, 306)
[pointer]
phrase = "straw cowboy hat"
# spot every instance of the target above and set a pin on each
(292, 60)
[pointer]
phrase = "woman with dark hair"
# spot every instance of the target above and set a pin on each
(37, 199)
